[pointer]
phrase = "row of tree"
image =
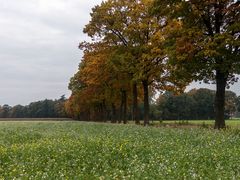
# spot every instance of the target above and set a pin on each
(194, 105)
(139, 47)
(40, 109)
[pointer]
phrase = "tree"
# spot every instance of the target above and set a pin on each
(206, 43)
(101, 92)
(5, 111)
(204, 103)
(59, 107)
(196, 104)
(129, 26)
(40, 109)
(110, 22)
(231, 104)
(169, 105)
(238, 106)
(238, 103)
(18, 111)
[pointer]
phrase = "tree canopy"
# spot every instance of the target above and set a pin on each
(139, 47)
(40, 109)
(205, 44)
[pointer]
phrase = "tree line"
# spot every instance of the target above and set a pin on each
(142, 47)
(40, 109)
(194, 105)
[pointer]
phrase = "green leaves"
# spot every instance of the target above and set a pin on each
(207, 38)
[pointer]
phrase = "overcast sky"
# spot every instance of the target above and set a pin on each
(38, 47)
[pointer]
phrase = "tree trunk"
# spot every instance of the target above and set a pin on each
(104, 111)
(146, 102)
(120, 113)
(114, 114)
(221, 80)
(121, 109)
(88, 115)
(124, 107)
(135, 112)
(100, 113)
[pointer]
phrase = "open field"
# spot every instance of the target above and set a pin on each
(77, 150)
(35, 119)
(230, 123)
(233, 123)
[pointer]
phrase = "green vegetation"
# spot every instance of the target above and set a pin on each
(194, 105)
(34, 119)
(230, 123)
(40, 109)
(142, 47)
(76, 150)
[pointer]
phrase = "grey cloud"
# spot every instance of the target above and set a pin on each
(235, 87)
(38, 47)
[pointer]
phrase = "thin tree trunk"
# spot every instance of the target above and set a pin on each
(88, 115)
(220, 100)
(114, 114)
(104, 111)
(100, 112)
(146, 102)
(120, 113)
(135, 112)
(124, 107)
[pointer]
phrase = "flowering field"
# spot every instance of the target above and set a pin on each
(75, 150)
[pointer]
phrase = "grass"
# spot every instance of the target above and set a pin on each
(77, 150)
(202, 123)
(35, 119)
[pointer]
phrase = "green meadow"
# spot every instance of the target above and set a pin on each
(233, 123)
(78, 150)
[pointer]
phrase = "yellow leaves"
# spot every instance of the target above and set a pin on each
(174, 26)
(184, 46)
